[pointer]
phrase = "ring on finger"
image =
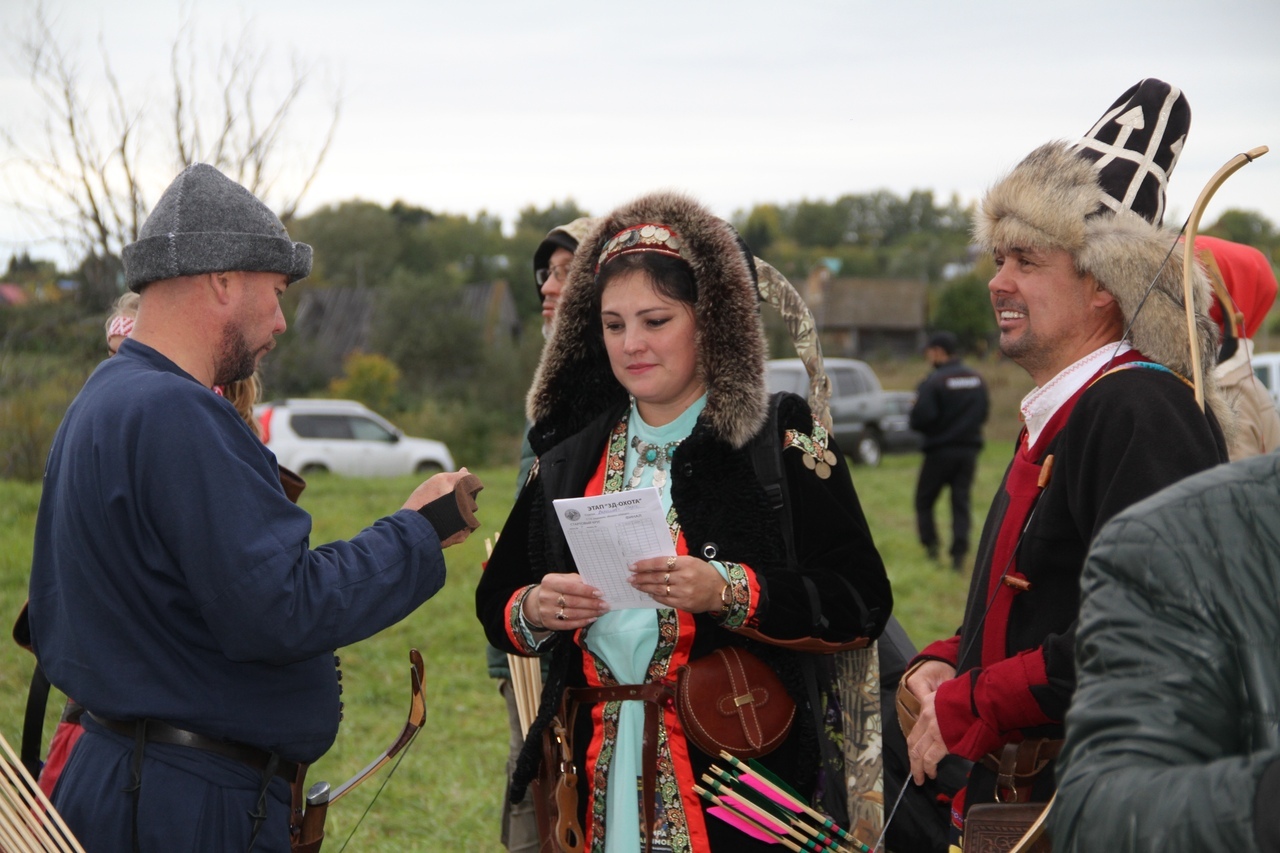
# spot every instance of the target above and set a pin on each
(560, 602)
(668, 590)
(671, 561)
(667, 578)
(560, 614)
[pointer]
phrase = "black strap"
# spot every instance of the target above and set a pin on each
(259, 814)
(33, 721)
(766, 459)
(135, 789)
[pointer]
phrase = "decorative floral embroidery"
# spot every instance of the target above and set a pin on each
(616, 462)
(817, 456)
(520, 627)
(671, 806)
(739, 596)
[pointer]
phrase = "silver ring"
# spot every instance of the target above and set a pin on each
(560, 603)
(671, 562)
(667, 578)
(560, 615)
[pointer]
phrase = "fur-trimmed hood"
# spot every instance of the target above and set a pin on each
(574, 382)
(1053, 200)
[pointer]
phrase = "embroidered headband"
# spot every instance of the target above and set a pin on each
(645, 237)
(120, 325)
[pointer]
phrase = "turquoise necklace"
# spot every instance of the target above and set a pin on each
(656, 455)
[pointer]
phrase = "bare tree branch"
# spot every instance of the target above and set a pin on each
(94, 150)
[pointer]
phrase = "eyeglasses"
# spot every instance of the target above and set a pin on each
(560, 271)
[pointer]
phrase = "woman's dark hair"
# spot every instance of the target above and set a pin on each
(671, 277)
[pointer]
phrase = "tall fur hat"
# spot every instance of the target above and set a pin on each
(1102, 200)
(574, 382)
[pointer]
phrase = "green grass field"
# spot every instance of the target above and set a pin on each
(446, 793)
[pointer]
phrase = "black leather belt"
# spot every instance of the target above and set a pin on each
(160, 732)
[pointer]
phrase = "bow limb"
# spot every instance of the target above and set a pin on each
(320, 797)
(417, 716)
(1188, 254)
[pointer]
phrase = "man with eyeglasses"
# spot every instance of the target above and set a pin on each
(550, 272)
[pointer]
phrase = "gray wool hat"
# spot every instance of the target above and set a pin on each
(206, 222)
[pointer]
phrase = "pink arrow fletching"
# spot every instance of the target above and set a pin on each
(768, 792)
(738, 823)
(753, 811)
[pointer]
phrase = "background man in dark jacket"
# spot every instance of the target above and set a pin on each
(951, 407)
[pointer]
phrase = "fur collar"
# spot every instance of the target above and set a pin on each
(574, 382)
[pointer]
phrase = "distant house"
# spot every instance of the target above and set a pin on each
(860, 317)
(338, 318)
(491, 304)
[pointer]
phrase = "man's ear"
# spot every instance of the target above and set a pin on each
(221, 285)
(1100, 297)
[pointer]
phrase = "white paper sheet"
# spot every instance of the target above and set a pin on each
(610, 532)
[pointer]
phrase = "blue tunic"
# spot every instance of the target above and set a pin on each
(172, 579)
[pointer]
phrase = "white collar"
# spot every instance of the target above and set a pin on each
(1044, 401)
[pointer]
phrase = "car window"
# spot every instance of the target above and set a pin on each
(321, 426)
(1263, 372)
(366, 430)
(847, 382)
(780, 378)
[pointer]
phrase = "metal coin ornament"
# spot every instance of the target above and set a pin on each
(657, 456)
(814, 453)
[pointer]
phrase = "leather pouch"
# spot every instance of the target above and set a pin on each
(731, 700)
(999, 828)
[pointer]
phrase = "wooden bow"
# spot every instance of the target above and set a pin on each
(1188, 254)
(320, 797)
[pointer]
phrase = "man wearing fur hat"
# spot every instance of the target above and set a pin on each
(1113, 419)
(174, 592)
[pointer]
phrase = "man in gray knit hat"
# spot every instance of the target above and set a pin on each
(173, 589)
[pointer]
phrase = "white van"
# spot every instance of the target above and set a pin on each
(1266, 366)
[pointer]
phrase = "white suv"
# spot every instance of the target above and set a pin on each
(342, 436)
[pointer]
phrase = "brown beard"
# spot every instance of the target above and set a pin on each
(236, 360)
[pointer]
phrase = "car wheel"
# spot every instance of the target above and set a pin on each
(313, 468)
(869, 449)
(429, 469)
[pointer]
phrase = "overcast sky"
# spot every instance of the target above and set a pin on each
(489, 105)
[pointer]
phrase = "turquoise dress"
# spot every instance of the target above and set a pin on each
(626, 640)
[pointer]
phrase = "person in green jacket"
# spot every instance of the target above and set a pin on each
(1173, 737)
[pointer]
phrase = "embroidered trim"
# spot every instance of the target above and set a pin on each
(670, 805)
(817, 456)
(1149, 365)
(518, 628)
(739, 596)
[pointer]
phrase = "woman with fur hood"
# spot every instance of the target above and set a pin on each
(654, 376)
